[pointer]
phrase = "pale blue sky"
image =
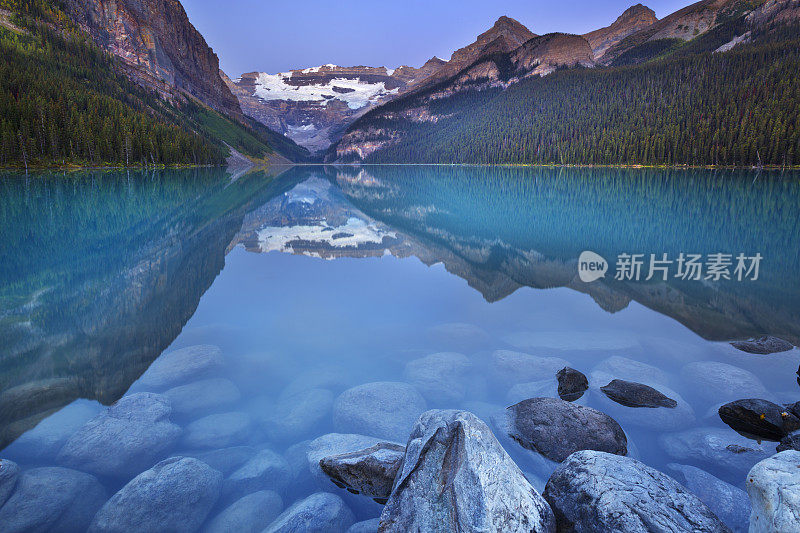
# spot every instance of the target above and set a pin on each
(275, 36)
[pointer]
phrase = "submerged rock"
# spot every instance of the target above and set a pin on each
(202, 396)
(516, 367)
(764, 345)
(367, 526)
(618, 367)
(321, 512)
(440, 376)
(599, 492)
(384, 409)
(265, 471)
(774, 489)
(715, 447)
(556, 428)
(658, 418)
(789, 442)
(250, 514)
(370, 472)
(729, 503)
(296, 414)
(759, 418)
(456, 477)
(571, 384)
(175, 495)
(182, 366)
(720, 382)
(218, 431)
(226, 460)
(125, 439)
(9, 472)
(632, 394)
(52, 499)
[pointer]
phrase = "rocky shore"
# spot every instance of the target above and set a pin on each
(175, 455)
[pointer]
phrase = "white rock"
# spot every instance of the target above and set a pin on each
(774, 489)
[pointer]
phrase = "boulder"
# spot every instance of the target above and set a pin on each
(764, 345)
(370, 472)
(721, 382)
(202, 397)
(556, 428)
(384, 409)
(618, 367)
(226, 460)
(657, 418)
(250, 514)
(759, 418)
(175, 495)
(789, 442)
(456, 477)
(440, 377)
(631, 394)
(335, 444)
(367, 526)
(182, 366)
(321, 512)
(9, 473)
(717, 448)
(123, 440)
(598, 492)
(510, 367)
(729, 503)
(296, 414)
(52, 499)
(265, 471)
(571, 384)
(774, 489)
(217, 431)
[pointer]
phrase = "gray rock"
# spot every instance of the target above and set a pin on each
(729, 503)
(321, 512)
(759, 418)
(250, 514)
(773, 486)
(370, 472)
(43, 442)
(659, 418)
(226, 460)
(295, 415)
(202, 396)
(125, 439)
(52, 499)
(571, 384)
(440, 377)
(789, 442)
(175, 495)
(334, 444)
(516, 367)
(599, 492)
(384, 409)
(617, 367)
(218, 430)
(631, 394)
(367, 526)
(456, 477)
(764, 345)
(182, 366)
(720, 382)
(9, 472)
(265, 471)
(555, 428)
(718, 448)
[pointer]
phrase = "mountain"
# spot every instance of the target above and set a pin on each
(634, 19)
(712, 84)
(313, 106)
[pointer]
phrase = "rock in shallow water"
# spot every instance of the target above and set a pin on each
(618, 367)
(774, 489)
(456, 477)
(367, 526)
(335, 444)
(217, 431)
(125, 439)
(202, 396)
(265, 471)
(764, 345)
(440, 377)
(175, 495)
(729, 503)
(789, 442)
(296, 414)
(556, 428)
(9, 472)
(383, 409)
(370, 472)
(571, 384)
(182, 366)
(321, 512)
(600, 492)
(720, 382)
(759, 418)
(631, 394)
(716, 447)
(250, 514)
(516, 367)
(52, 499)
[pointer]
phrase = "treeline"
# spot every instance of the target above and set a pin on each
(739, 108)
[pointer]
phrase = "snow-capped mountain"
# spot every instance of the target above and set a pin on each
(314, 105)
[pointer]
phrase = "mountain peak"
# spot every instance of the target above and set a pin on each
(632, 20)
(509, 27)
(637, 12)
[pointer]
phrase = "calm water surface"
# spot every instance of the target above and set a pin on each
(315, 280)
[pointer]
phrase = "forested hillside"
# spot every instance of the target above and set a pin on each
(63, 101)
(685, 105)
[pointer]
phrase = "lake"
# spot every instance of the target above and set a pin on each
(277, 310)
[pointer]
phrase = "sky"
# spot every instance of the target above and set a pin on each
(277, 36)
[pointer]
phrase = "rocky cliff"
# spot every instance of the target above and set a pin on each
(158, 46)
(632, 20)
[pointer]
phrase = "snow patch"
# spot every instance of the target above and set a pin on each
(274, 87)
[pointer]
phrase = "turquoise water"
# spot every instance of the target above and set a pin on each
(326, 278)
